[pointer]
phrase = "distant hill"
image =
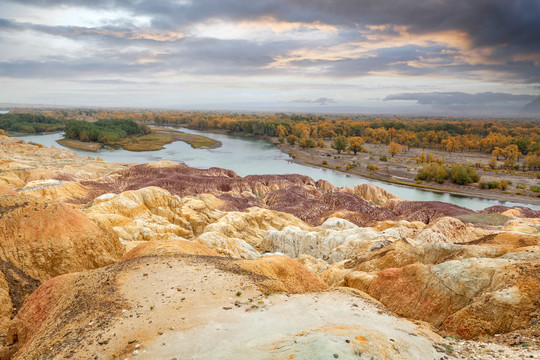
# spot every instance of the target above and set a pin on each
(532, 108)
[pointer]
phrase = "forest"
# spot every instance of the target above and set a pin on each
(29, 123)
(507, 140)
(105, 131)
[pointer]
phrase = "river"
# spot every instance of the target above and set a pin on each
(246, 156)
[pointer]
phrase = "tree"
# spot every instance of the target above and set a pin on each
(395, 148)
(511, 152)
(339, 144)
(291, 139)
(306, 143)
(281, 131)
(355, 144)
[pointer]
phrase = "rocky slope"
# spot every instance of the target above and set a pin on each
(208, 307)
(101, 260)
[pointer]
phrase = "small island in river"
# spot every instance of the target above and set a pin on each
(127, 134)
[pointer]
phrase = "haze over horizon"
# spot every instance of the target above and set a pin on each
(435, 57)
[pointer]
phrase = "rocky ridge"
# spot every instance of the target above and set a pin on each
(140, 245)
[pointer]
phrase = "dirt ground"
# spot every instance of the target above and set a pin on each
(403, 169)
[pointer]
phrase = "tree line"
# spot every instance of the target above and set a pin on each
(106, 131)
(29, 123)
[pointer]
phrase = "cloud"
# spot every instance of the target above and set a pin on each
(488, 22)
(460, 98)
(320, 101)
(486, 44)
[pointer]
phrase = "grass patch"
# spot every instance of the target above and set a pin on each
(148, 142)
(196, 141)
(80, 145)
(484, 219)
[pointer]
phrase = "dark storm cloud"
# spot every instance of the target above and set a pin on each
(488, 22)
(460, 98)
(320, 101)
(189, 56)
(509, 28)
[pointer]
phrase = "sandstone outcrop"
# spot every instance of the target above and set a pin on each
(45, 239)
(153, 214)
(183, 181)
(374, 194)
(448, 229)
(407, 251)
(335, 240)
(21, 163)
(298, 195)
(426, 211)
(166, 306)
(515, 211)
(147, 214)
(61, 191)
(168, 247)
(467, 298)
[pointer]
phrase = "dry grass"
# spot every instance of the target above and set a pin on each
(484, 219)
(148, 142)
(80, 145)
(196, 141)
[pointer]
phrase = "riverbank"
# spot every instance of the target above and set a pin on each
(401, 170)
(398, 171)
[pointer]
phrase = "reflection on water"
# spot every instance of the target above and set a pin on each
(247, 156)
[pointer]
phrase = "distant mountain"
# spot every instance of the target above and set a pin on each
(532, 108)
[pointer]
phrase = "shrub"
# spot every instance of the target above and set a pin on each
(307, 143)
(535, 188)
(372, 168)
(504, 184)
(483, 185)
(350, 166)
(383, 158)
(520, 186)
(324, 162)
(494, 185)
(432, 172)
(464, 174)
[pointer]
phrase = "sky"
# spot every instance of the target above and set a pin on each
(365, 56)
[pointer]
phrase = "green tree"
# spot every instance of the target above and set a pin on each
(339, 144)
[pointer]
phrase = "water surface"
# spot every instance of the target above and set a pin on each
(246, 155)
